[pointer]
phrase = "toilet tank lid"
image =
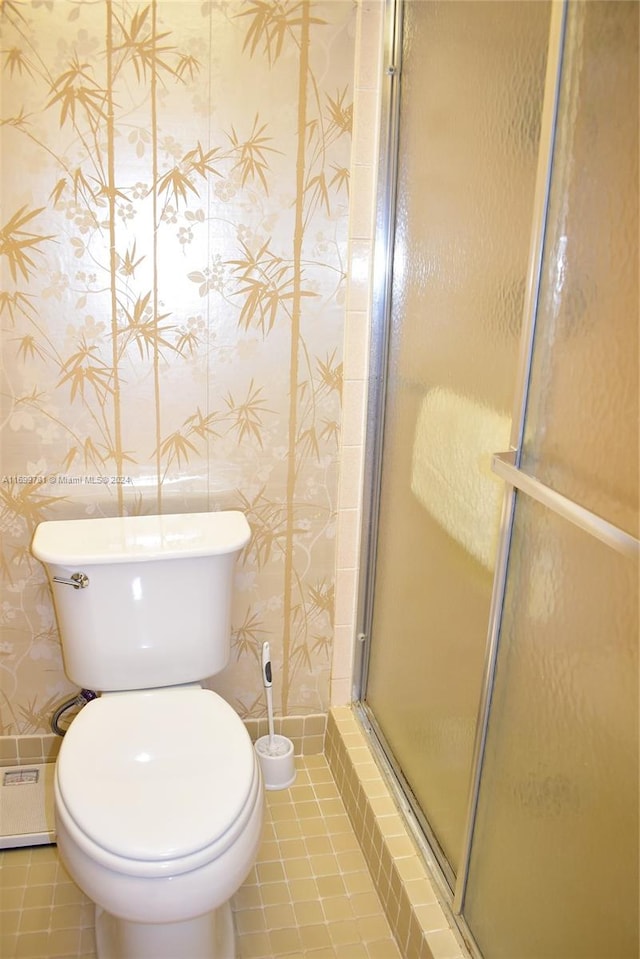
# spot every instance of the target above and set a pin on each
(126, 539)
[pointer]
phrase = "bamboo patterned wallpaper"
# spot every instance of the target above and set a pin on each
(172, 242)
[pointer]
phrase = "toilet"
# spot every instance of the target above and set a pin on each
(158, 794)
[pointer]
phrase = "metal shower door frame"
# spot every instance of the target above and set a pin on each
(453, 886)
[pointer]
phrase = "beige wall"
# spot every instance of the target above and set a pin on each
(174, 261)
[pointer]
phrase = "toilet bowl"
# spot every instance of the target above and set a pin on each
(158, 793)
(159, 809)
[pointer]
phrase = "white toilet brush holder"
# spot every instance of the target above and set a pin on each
(275, 752)
(276, 761)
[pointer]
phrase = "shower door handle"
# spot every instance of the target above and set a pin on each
(504, 465)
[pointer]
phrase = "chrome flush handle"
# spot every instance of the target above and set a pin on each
(77, 580)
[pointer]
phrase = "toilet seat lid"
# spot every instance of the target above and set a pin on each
(156, 775)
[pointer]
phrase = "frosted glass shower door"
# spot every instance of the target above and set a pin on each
(472, 82)
(554, 861)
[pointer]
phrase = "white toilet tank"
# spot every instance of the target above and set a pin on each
(155, 609)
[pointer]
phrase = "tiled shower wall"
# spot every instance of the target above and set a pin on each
(176, 186)
(369, 76)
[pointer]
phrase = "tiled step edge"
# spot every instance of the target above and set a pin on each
(407, 894)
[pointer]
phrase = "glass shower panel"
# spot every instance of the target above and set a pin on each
(471, 95)
(582, 426)
(554, 862)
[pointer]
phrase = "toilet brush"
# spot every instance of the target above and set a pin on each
(268, 688)
(275, 752)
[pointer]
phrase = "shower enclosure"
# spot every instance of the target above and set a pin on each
(499, 605)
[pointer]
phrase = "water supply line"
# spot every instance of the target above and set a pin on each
(80, 699)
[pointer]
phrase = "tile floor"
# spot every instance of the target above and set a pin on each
(309, 895)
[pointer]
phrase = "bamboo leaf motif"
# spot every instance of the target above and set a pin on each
(330, 374)
(20, 302)
(246, 416)
(187, 64)
(249, 635)
(82, 187)
(300, 656)
(37, 714)
(91, 453)
(27, 501)
(322, 599)
(202, 425)
(20, 556)
(75, 87)
(187, 342)
(271, 21)
(268, 286)
(14, 242)
(143, 328)
(177, 447)
(58, 190)
(341, 178)
(10, 6)
(268, 523)
(84, 367)
(34, 398)
(340, 114)
(29, 349)
(16, 61)
(127, 266)
(112, 455)
(331, 431)
(321, 644)
(177, 182)
(318, 187)
(178, 179)
(250, 708)
(107, 191)
(267, 25)
(180, 444)
(20, 121)
(198, 161)
(141, 46)
(308, 441)
(252, 161)
(69, 458)
(33, 714)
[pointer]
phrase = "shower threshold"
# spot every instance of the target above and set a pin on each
(26, 806)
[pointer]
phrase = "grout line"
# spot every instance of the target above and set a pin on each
(309, 894)
(402, 879)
